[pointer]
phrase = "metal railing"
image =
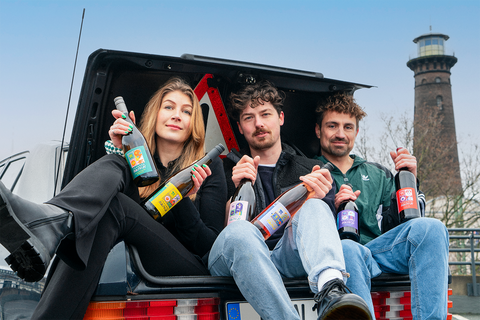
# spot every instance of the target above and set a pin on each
(473, 235)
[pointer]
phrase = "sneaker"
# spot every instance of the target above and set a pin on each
(336, 301)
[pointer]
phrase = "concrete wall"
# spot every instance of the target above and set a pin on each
(459, 284)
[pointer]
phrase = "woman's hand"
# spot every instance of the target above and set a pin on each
(120, 127)
(199, 174)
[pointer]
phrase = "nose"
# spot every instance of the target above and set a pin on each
(340, 133)
(258, 122)
(176, 114)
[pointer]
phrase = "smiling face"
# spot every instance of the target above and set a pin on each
(174, 119)
(337, 134)
(261, 126)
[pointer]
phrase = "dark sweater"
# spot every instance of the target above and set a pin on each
(197, 224)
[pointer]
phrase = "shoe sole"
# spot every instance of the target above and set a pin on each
(345, 311)
(28, 257)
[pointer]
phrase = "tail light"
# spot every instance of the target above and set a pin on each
(172, 309)
(397, 305)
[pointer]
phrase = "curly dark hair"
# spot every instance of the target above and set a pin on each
(341, 103)
(256, 94)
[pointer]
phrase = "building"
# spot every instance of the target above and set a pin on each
(435, 142)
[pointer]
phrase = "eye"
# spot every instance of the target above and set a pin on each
(189, 112)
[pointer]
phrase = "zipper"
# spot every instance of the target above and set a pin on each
(44, 221)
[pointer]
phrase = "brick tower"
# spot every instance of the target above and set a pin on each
(435, 142)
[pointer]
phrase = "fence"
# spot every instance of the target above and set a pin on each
(464, 242)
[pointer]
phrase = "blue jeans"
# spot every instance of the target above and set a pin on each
(419, 248)
(309, 245)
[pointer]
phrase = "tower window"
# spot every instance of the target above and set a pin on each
(440, 102)
(424, 81)
(438, 80)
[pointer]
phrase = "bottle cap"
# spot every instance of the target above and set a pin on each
(120, 104)
(399, 148)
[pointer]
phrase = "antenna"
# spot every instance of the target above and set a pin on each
(68, 108)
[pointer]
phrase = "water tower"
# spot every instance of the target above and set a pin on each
(435, 142)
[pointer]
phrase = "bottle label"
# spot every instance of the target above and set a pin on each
(166, 198)
(347, 218)
(275, 217)
(238, 211)
(138, 161)
(406, 199)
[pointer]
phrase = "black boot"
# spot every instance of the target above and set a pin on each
(31, 233)
(334, 302)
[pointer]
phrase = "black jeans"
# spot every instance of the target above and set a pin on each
(103, 200)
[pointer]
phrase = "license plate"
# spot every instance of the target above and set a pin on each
(243, 310)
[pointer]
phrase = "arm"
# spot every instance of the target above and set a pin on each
(199, 223)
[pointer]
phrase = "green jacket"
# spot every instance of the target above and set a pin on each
(376, 184)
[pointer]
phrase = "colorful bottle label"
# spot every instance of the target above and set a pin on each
(238, 211)
(276, 216)
(406, 199)
(138, 161)
(347, 218)
(166, 198)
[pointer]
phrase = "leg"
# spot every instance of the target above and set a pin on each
(418, 247)
(362, 268)
(160, 251)
(310, 244)
(241, 252)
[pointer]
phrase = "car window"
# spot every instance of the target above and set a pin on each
(12, 173)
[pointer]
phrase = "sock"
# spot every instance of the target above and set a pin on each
(327, 275)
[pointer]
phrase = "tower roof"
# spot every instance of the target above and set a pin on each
(426, 35)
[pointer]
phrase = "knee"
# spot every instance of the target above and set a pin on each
(429, 229)
(314, 209)
(240, 234)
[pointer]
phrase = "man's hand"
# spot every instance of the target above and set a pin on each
(245, 168)
(319, 181)
(344, 194)
(403, 159)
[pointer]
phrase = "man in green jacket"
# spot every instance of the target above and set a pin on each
(417, 247)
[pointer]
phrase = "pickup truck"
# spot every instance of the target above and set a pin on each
(125, 289)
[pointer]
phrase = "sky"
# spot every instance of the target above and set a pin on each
(364, 41)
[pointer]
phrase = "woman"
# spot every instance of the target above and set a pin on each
(99, 208)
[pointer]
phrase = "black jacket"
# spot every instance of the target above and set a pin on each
(290, 166)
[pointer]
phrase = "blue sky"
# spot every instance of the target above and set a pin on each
(361, 41)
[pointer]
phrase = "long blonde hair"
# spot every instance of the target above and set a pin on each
(193, 147)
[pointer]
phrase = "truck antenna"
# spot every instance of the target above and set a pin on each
(68, 108)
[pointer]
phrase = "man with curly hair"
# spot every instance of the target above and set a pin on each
(307, 246)
(417, 247)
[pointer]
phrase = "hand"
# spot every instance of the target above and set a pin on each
(245, 168)
(344, 194)
(319, 181)
(199, 174)
(403, 159)
(120, 127)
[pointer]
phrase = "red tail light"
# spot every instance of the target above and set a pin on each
(396, 305)
(185, 309)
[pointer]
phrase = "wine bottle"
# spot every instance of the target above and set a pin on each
(407, 201)
(347, 219)
(242, 206)
(283, 208)
(172, 190)
(138, 156)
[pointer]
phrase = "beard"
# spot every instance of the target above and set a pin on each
(330, 149)
(261, 143)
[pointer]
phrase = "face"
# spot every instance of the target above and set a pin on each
(173, 118)
(337, 134)
(261, 126)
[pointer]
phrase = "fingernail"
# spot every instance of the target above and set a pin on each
(204, 165)
(124, 116)
(193, 175)
(193, 169)
(195, 165)
(126, 132)
(131, 127)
